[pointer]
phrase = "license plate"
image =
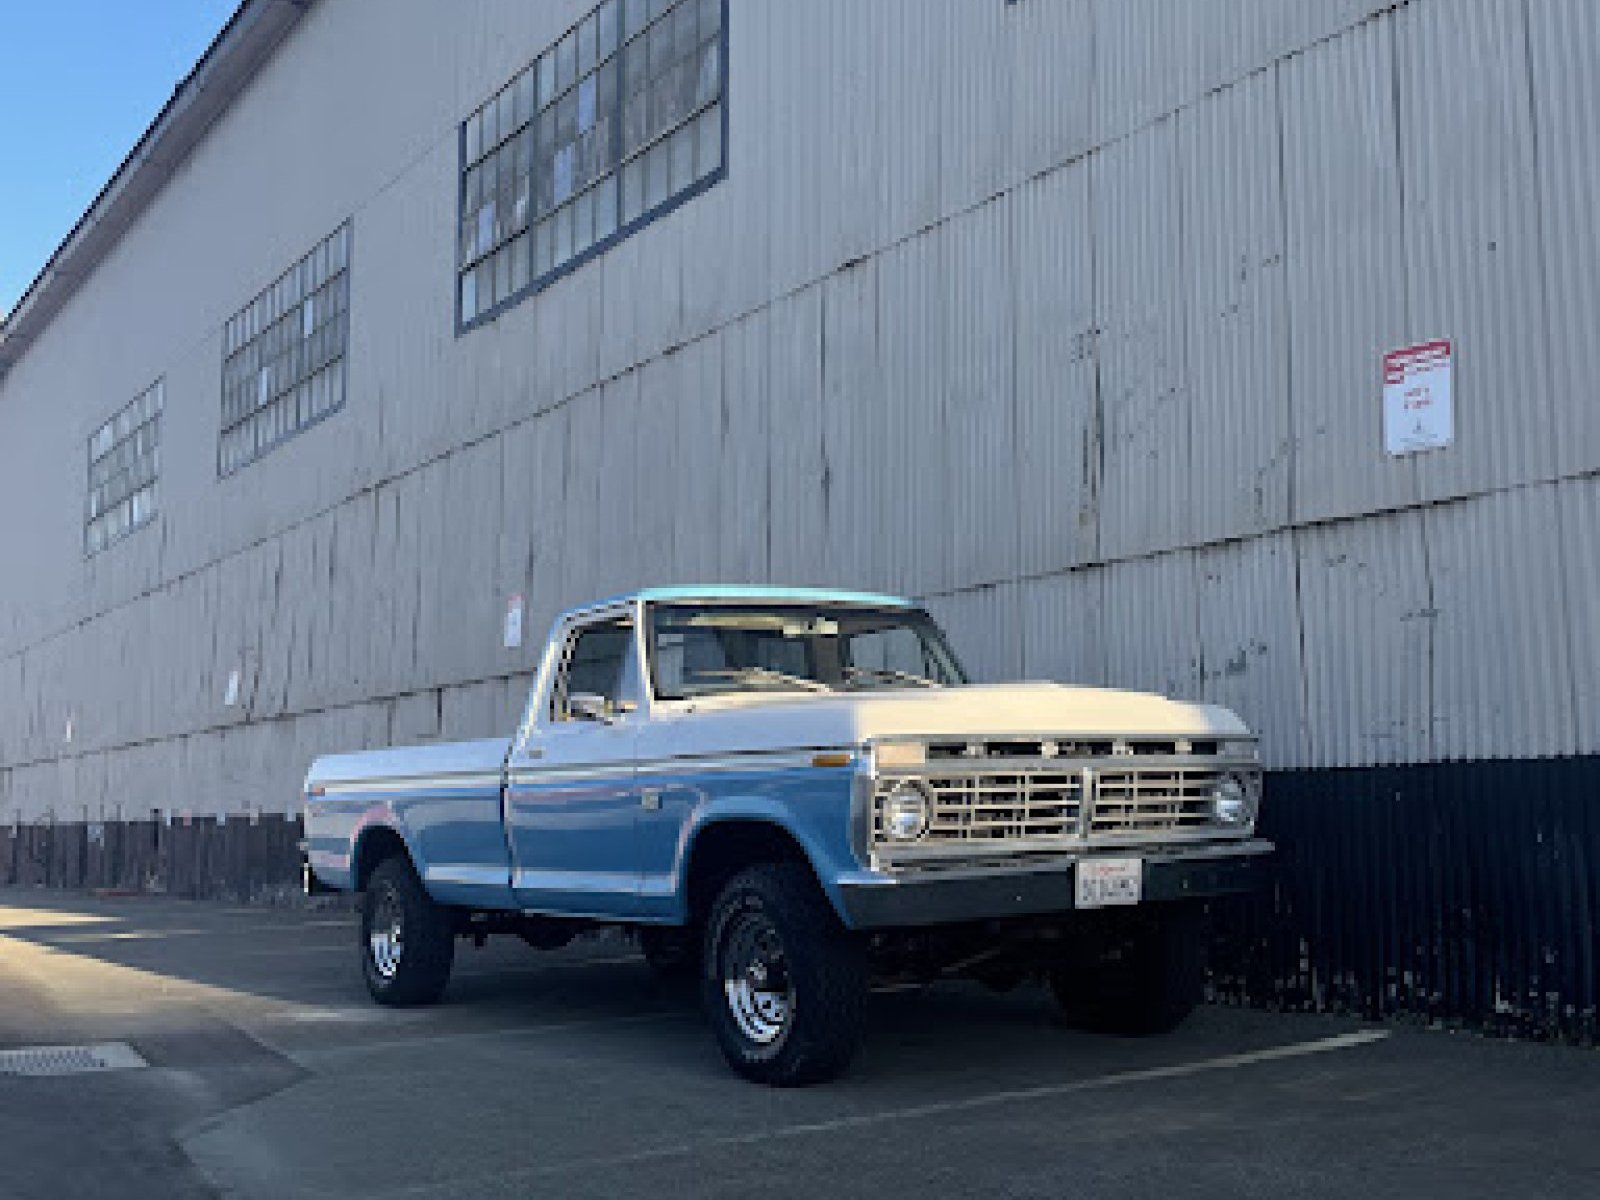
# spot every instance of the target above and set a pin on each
(1103, 882)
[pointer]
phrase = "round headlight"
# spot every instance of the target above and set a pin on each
(905, 813)
(1230, 801)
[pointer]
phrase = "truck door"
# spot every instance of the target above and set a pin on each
(571, 798)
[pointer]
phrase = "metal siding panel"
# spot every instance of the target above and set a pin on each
(1565, 37)
(1579, 512)
(696, 472)
(654, 524)
(1250, 641)
(910, 319)
(855, 432)
(616, 546)
(1057, 441)
(975, 97)
(1143, 389)
(908, 89)
(1502, 685)
(1367, 624)
(1062, 627)
(1052, 83)
(1346, 282)
(1154, 56)
(985, 629)
(1236, 326)
(532, 552)
(746, 446)
(1144, 67)
(979, 428)
(1472, 244)
(587, 505)
(1151, 625)
(798, 512)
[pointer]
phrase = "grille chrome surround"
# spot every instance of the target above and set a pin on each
(986, 806)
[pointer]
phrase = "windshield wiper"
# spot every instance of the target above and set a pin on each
(891, 676)
(769, 675)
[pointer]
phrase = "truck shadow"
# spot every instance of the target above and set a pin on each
(158, 958)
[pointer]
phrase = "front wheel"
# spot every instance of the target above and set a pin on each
(407, 944)
(784, 983)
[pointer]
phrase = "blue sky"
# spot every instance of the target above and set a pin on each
(79, 82)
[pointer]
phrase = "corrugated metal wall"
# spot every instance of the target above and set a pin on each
(1064, 314)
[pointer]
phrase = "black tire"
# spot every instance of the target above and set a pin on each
(421, 941)
(673, 954)
(1134, 973)
(773, 921)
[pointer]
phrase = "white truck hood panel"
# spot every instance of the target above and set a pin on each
(752, 723)
(749, 723)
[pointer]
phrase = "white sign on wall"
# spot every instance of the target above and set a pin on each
(1418, 412)
(513, 638)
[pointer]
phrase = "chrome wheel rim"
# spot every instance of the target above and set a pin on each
(386, 934)
(755, 978)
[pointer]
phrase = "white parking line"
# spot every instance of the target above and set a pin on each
(1343, 1041)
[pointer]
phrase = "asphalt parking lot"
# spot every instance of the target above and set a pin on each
(573, 1073)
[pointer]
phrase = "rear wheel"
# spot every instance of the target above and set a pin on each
(784, 983)
(407, 943)
(1134, 973)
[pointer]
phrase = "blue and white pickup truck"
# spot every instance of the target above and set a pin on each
(790, 793)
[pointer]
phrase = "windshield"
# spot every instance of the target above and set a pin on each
(715, 649)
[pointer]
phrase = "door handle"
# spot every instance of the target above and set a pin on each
(650, 799)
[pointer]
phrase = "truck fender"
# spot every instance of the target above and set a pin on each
(376, 833)
(753, 813)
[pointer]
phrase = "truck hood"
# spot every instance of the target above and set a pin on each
(769, 722)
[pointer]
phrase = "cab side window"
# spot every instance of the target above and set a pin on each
(597, 665)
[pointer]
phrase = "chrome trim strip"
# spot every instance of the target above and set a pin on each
(463, 873)
(617, 882)
(685, 764)
(681, 764)
(1065, 765)
(455, 781)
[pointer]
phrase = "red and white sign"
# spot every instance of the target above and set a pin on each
(1418, 412)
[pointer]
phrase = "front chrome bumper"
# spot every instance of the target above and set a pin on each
(879, 900)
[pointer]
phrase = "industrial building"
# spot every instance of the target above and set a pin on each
(1236, 349)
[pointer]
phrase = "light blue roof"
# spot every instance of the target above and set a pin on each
(754, 592)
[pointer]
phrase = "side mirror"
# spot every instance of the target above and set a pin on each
(587, 706)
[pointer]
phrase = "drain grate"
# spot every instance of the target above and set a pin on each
(70, 1060)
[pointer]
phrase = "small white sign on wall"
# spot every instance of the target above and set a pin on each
(513, 634)
(1418, 409)
(230, 693)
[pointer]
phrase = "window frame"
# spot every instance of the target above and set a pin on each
(239, 333)
(612, 177)
(153, 422)
(630, 685)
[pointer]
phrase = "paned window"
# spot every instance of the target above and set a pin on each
(124, 467)
(283, 355)
(617, 123)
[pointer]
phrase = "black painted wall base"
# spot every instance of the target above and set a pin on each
(1461, 893)
(245, 860)
(1458, 893)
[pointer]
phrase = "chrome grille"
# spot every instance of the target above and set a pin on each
(999, 806)
(1152, 800)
